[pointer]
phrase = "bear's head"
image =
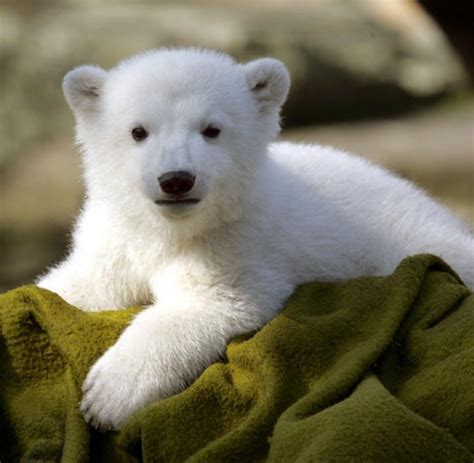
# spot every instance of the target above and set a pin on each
(176, 135)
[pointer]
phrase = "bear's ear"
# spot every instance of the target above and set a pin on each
(82, 88)
(269, 80)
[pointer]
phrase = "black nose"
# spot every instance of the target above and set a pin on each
(176, 183)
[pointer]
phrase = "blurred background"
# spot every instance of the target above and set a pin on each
(388, 79)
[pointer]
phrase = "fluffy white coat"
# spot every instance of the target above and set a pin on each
(270, 216)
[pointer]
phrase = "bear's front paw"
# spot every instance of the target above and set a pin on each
(118, 384)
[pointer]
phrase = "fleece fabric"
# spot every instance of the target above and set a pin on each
(377, 369)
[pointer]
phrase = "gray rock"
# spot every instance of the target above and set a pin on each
(348, 58)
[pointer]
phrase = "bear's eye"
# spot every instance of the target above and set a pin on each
(139, 133)
(211, 132)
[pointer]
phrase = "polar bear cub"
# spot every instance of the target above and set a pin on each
(191, 211)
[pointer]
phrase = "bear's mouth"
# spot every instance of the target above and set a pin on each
(176, 201)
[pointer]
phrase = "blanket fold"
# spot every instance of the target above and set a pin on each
(372, 369)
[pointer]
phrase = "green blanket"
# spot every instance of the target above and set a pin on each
(370, 370)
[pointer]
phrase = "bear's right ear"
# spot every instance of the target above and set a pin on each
(82, 88)
(269, 81)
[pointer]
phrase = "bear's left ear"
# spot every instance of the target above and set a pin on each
(269, 80)
(82, 88)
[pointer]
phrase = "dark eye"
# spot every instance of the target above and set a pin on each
(211, 132)
(139, 133)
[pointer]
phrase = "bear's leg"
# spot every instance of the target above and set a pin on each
(164, 349)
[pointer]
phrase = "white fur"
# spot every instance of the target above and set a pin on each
(271, 216)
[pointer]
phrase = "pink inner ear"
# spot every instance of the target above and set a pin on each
(260, 85)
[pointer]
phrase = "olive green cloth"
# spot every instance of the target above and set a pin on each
(369, 370)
